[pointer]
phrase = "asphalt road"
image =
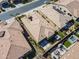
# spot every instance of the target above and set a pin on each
(27, 7)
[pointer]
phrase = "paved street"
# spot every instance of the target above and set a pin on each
(27, 7)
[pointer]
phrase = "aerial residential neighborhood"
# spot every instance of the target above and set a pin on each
(39, 29)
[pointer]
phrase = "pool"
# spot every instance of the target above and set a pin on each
(68, 25)
(54, 37)
(43, 42)
(73, 39)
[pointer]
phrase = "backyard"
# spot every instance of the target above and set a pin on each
(67, 44)
(62, 34)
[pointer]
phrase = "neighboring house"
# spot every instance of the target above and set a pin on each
(54, 16)
(13, 44)
(37, 26)
(43, 22)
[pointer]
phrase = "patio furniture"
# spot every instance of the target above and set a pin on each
(43, 42)
(68, 25)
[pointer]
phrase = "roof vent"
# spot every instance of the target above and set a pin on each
(30, 18)
(2, 33)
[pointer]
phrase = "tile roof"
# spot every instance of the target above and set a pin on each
(13, 44)
(54, 16)
(39, 28)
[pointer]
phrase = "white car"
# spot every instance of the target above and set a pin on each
(54, 55)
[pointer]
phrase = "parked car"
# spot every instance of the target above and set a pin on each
(5, 5)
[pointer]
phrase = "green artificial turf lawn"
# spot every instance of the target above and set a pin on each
(67, 44)
(61, 34)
